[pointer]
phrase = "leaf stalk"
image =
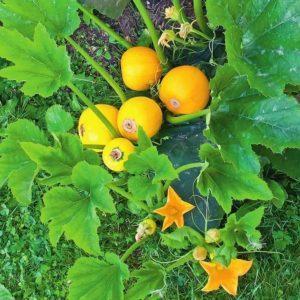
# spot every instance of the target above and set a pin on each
(92, 106)
(185, 118)
(102, 25)
(199, 14)
(132, 248)
(181, 261)
(99, 69)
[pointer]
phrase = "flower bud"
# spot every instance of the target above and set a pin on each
(212, 236)
(172, 13)
(145, 228)
(166, 37)
(199, 253)
(185, 29)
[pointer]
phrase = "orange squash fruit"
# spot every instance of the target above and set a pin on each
(184, 90)
(116, 153)
(92, 131)
(141, 68)
(139, 111)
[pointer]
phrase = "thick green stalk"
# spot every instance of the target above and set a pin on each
(128, 196)
(132, 248)
(92, 106)
(198, 9)
(181, 261)
(185, 118)
(99, 69)
(152, 31)
(201, 34)
(182, 15)
(189, 44)
(182, 169)
(102, 25)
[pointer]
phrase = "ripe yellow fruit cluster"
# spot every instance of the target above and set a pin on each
(183, 90)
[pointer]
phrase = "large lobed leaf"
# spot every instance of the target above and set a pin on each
(73, 212)
(226, 183)
(150, 278)
(112, 9)
(242, 117)
(16, 167)
(5, 294)
(262, 40)
(60, 160)
(41, 64)
(94, 279)
(59, 17)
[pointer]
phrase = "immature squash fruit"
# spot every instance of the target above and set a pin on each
(139, 111)
(212, 236)
(200, 253)
(184, 90)
(92, 131)
(140, 68)
(116, 153)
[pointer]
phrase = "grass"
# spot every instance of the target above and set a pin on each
(32, 269)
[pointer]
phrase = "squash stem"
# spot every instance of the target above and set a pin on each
(185, 118)
(99, 69)
(102, 25)
(182, 15)
(182, 169)
(132, 248)
(189, 44)
(128, 196)
(201, 34)
(152, 31)
(181, 261)
(198, 9)
(92, 106)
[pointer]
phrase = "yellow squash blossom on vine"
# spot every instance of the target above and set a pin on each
(174, 210)
(226, 277)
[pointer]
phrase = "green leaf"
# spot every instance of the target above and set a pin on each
(16, 167)
(243, 230)
(58, 161)
(111, 9)
(150, 278)
(94, 279)
(144, 142)
(241, 117)
(284, 162)
(59, 17)
(150, 160)
(41, 64)
(58, 120)
(73, 213)
(282, 240)
(279, 193)
(258, 34)
(142, 188)
(5, 294)
(182, 238)
(226, 183)
(224, 254)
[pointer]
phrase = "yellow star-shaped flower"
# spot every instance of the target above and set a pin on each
(174, 210)
(227, 277)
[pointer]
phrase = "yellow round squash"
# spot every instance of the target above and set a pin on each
(140, 68)
(139, 111)
(116, 153)
(92, 131)
(184, 90)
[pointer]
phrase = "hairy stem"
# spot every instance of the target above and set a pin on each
(102, 25)
(92, 106)
(128, 196)
(182, 169)
(198, 9)
(182, 15)
(185, 118)
(181, 261)
(132, 248)
(99, 69)
(201, 34)
(152, 31)
(189, 44)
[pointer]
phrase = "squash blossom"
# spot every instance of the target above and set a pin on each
(166, 37)
(172, 13)
(199, 253)
(185, 30)
(174, 210)
(226, 277)
(212, 236)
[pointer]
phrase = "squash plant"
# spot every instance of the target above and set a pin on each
(194, 174)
